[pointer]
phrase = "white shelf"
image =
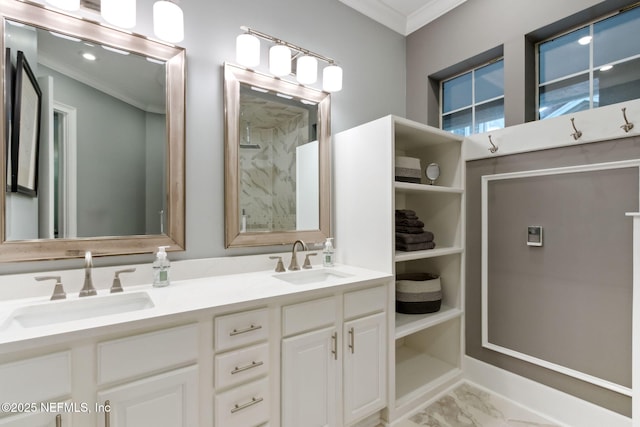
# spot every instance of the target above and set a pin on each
(429, 253)
(417, 373)
(407, 324)
(408, 187)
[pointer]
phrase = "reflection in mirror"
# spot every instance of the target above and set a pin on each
(277, 167)
(106, 151)
(279, 177)
(111, 139)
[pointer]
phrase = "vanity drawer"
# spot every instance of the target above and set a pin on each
(241, 329)
(365, 301)
(37, 379)
(241, 365)
(309, 315)
(146, 353)
(243, 406)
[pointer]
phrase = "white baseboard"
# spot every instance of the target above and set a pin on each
(548, 402)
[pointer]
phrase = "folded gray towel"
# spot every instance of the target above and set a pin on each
(409, 222)
(409, 230)
(407, 247)
(405, 213)
(406, 238)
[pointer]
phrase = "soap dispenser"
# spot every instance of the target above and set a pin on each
(161, 267)
(327, 253)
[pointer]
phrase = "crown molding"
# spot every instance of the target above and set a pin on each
(385, 13)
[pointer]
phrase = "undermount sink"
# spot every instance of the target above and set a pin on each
(53, 312)
(306, 277)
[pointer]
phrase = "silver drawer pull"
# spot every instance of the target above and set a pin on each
(244, 331)
(352, 340)
(253, 401)
(247, 367)
(58, 420)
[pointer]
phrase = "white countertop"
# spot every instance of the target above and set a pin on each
(180, 297)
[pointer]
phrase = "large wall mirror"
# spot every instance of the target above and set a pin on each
(108, 150)
(277, 151)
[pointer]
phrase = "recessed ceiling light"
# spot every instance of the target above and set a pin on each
(585, 40)
(606, 67)
(89, 56)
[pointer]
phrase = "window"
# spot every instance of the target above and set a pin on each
(593, 66)
(474, 102)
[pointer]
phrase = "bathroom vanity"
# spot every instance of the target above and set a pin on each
(258, 348)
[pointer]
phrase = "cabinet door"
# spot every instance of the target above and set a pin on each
(309, 379)
(365, 358)
(165, 400)
(38, 419)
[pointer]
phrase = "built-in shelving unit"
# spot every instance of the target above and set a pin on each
(425, 349)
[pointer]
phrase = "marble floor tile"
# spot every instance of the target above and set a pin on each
(468, 406)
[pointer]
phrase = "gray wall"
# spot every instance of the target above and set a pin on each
(480, 30)
(111, 159)
(372, 57)
(558, 275)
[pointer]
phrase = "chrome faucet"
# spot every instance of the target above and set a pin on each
(87, 289)
(293, 265)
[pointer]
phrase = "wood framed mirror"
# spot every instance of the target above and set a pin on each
(277, 160)
(122, 191)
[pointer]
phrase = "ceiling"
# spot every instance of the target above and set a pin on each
(403, 16)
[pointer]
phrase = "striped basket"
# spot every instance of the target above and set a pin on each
(418, 293)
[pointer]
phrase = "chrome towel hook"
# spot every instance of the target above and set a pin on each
(626, 126)
(577, 134)
(493, 147)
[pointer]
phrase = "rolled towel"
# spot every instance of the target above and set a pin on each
(409, 230)
(409, 222)
(408, 247)
(406, 238)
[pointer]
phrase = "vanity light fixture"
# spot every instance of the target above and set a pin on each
(168, 18)
(307, 70)
(247, 50)
(168, 21)
(121, 13)
(281, 55)
(280, 60)
(332, 78)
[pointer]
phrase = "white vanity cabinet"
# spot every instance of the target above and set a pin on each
(288, 358)
(334, 351)
(150, 378)
(241, 376)
(27, 385)
(166, 399)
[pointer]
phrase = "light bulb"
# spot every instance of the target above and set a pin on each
(120, 13)
(332, 78)
(307, 70)
(168, 21)
(247, 50)
(280, 60)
